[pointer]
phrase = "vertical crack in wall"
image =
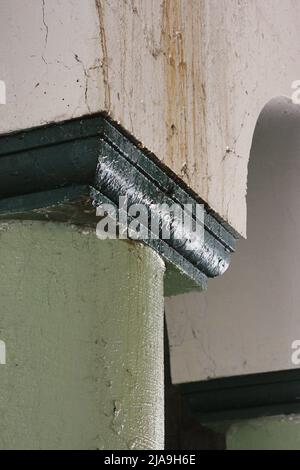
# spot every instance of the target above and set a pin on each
(86, 75)
(46, 31)
(107, 98)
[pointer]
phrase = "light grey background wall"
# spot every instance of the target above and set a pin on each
(246, 321)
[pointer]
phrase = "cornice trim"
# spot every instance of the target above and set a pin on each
(60, 171)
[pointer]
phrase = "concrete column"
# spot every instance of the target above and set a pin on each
(82, 323)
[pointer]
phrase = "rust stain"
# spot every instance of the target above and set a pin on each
(107, 98)
(185, 100)
(175, 83)
(178, 55)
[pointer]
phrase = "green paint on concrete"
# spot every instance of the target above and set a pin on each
(82, 320)
(269, 433)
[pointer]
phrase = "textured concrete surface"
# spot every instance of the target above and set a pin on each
(248, 319)
(188, 78)
(275, 433)
(82, 320)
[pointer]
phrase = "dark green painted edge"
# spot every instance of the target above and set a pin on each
(244, 396)
(49, 172)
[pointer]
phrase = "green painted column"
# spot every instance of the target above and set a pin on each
(268, 433)
(82, 322)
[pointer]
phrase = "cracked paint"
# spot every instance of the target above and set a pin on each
(46, 31)
(184, 77)
(105, 59)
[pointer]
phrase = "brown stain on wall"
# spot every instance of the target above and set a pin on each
(158, 41)
(185, 97)
(175, 84)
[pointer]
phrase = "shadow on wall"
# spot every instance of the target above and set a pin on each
(183, 431)
(247, 320)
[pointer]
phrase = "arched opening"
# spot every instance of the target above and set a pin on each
(248, 320)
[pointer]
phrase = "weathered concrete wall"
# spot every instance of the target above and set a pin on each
(247, 320)
(275, 433)
(82, 320)
(188, 78)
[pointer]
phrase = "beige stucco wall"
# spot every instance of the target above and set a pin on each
(188, 78)
(248, 319)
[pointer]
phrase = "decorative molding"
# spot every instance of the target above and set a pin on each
(60, 171)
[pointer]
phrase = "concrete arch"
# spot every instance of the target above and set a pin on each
(248, 319)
